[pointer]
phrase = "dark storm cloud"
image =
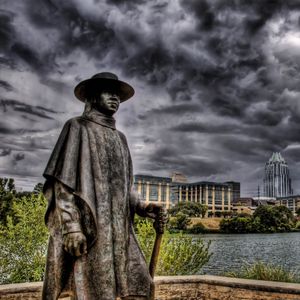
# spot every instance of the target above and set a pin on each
(154, 59)
(6, 28)
(203, 12)
(5, 152)
(19, 131)
(268, 118)
(293, 154)
(167, 159)
(207, 128)
(16, 50)
(227, 107)
(29, 55)
(242, 147)
(19, 156)
(26, 108)
(213, 59)
(8, 63)
(5, 85)
(174, 110)
(77, 31)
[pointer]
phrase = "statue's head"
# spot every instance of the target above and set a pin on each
(104, 91)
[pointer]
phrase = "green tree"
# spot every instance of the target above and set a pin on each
(227, 213)
(23, 241)
(236, 225)
(7, 193)
(38, 188)
(284, 218)
(179, 254)
(266, 218)
(197, 228)
(191, 209)
(179, 222)
(273, 218)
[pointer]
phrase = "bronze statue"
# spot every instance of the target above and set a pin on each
(93, 253)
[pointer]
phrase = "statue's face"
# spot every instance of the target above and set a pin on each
(107, 102)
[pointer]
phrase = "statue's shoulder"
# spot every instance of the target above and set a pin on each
(72, 127)
(76, 122)
(122, 136)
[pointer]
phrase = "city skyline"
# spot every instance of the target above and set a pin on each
(217, 83)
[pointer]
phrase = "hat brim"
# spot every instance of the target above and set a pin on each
(88, 87)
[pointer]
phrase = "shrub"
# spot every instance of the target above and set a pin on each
(297, 226)
(179, 222)
(23, 241)
(197, 228)
(263, 271)
(179, 254)
(218, 214)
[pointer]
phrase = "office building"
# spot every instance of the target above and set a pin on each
(164, 190)
(235, 189)
(154, 189)
(277, 182)
(216, 196)
(291, 202)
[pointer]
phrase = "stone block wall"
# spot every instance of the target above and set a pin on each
(207, 287)
(200, 287)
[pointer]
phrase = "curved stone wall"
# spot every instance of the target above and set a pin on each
(203, 287)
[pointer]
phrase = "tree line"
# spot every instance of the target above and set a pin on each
(265, 219)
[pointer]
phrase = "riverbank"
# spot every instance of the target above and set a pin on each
(210, 224)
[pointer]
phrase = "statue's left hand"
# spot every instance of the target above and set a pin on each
(158, 213)
(152, 210)
(75, 243)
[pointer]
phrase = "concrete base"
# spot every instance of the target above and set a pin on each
(202, 287)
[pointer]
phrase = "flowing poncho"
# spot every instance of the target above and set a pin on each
(92, 159)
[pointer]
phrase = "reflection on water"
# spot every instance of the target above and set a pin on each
(231, 251)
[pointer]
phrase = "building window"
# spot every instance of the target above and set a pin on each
(225, 196)
(153, 192)
(143, 191)
(218, 196)
(210, 195)
(163, 192)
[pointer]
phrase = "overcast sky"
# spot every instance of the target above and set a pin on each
(217, 83)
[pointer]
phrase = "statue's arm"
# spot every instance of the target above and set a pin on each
(74, 241)
(67, 210)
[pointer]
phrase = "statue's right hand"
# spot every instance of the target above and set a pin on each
(75, 243)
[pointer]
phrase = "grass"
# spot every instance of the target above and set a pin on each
(209, 223)
(263, 271)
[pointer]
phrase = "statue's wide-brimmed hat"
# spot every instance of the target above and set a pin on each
(104, 81)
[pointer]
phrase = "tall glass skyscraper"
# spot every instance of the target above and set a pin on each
(277, 182)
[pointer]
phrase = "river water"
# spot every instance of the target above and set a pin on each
(231, 251)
